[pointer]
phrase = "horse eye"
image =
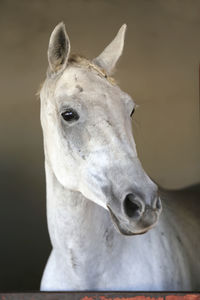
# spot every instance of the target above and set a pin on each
(132, 112)
(70, 115)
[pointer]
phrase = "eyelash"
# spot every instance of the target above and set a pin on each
(132, 112)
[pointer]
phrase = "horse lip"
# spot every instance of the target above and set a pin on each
(120, 229)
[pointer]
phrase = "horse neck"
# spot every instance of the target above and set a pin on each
(75, 222)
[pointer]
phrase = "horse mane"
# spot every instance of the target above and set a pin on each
(84, 62)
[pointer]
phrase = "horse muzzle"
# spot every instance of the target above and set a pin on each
(135, 217)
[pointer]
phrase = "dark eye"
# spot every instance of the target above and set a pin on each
(70, 115)
(132, 112)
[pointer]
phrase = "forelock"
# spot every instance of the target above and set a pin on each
(80, 61)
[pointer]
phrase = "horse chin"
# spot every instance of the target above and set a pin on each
(123, 228)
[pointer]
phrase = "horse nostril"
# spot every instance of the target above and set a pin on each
(158, 204)
(132, 207)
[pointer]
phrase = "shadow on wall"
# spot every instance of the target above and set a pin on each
(25, 244)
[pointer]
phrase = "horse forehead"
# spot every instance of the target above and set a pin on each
(76, 80)
(70, 78)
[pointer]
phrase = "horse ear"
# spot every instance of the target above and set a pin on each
(59, 48)
(111, 54)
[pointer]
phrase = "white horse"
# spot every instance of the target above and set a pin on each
(99, 198)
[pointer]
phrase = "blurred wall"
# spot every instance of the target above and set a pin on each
(159, 69)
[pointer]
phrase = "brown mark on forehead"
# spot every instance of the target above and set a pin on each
(79, 88)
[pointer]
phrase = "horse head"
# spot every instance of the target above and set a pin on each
(88, 140)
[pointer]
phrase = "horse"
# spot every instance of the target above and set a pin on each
(103, 210)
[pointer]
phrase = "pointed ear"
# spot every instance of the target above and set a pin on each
(109, 57)
(59, 48)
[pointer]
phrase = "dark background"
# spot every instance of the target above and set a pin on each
(159, 69)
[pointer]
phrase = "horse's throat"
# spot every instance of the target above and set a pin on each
(77, 226)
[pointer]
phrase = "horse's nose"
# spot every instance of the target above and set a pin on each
(157, 203)
(137, 212)
(134, 205)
